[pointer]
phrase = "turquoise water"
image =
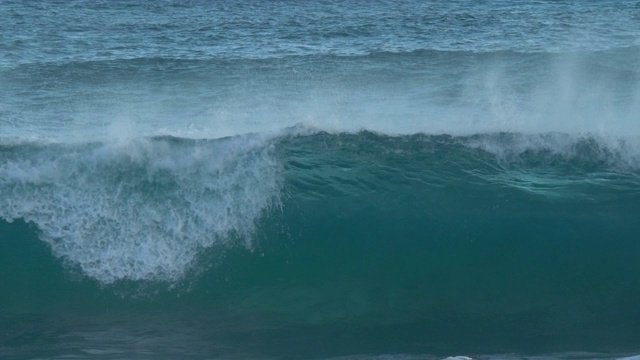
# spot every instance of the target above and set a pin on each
(319, 180)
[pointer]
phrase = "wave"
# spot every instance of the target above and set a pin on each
(623, 56)
(143, 209)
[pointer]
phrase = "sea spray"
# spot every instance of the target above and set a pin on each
(142, 209)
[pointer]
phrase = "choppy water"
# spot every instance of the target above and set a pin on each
(335, 180)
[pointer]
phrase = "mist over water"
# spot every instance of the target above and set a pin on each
(396, 93)
(212, 70)
(398, 179)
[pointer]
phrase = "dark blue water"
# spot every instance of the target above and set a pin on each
(319, 180)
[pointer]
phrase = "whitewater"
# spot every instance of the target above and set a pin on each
(319, 180)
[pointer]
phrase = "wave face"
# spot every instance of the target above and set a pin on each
(499, 242)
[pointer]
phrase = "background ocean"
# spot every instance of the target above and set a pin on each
(319, 179)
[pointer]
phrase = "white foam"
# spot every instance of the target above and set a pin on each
(140, 209)
(619, 152)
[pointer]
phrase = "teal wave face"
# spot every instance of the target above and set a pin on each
(419, 243)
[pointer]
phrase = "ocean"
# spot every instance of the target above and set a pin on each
(344, 180)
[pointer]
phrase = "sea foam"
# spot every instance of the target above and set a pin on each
(142, 209)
